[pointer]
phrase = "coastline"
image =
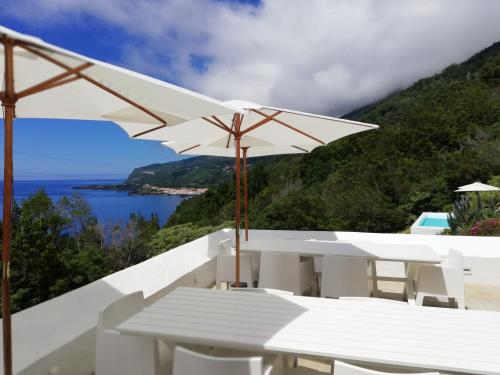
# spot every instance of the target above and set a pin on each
(145, 189)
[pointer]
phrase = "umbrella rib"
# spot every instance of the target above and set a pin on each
(229, 135)
(290, 127)
(189, 148)
(300, 148)
(54, 81)
(262, 122)
(221, 122)
(93, 81)
(225, 128)
(149, 131)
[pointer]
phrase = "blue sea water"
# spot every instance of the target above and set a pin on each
(110, 207)
(434, 222)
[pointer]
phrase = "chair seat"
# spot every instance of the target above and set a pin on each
(445, 280)
(302, 371)
(431, 281)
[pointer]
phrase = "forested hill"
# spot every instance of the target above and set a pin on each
(442, 132)
(195, 172)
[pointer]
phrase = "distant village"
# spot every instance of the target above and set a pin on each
(151, 189)
(145, 189)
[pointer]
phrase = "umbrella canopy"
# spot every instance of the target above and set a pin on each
(72, 86)
(260, 127)
(183, 148)
(41, 80)
(476, 186)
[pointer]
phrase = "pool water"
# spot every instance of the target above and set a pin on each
(434, 222)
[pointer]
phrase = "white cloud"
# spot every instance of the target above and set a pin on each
(324, 56)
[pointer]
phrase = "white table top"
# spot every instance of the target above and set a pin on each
(380, 251)
(422, 337)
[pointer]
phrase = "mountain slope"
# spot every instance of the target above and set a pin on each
(442, 132)
(201, 171)
(195, 172)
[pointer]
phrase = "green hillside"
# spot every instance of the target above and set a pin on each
(195, 172)
(442, 132)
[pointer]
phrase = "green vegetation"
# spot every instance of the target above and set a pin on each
(440, 133)
(196, 172)
(177, 235)
(476, 214)
(59, 247)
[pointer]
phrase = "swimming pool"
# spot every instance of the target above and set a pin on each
(436, 222)
(430, 223)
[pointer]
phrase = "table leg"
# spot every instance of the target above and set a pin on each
(374, 277)
(411, 270)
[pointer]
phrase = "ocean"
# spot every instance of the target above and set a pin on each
(110, 207)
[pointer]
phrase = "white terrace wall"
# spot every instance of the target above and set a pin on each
(59, 334)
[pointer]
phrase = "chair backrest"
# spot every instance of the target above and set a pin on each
(341, 368)
(455, 259)
(345, 276)
(318, 263)
(264, 290)
(226, 247)
(280, 271)
(372, 299)
(453, 274)
(226, 268)
(187, 362)
(121, 354)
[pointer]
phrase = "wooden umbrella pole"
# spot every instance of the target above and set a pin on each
(245, 190)
(237, 166)
(9, 103)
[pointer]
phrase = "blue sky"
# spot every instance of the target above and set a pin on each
(58, 149)
(323, 56)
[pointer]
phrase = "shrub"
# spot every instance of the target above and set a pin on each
(487, 227)
(177, 235)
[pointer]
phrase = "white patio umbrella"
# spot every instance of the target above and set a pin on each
(41, 80)
(259, 126)
(476, 187)
(246, 152)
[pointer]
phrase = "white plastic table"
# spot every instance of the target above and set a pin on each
(401, 335)
(411, 255)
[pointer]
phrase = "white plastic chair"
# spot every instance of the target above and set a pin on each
(264, 290)
(187, 362)
(445, 280)
(318, 262)
(372, 299)
(345, 276)
(121, 354)
(286, 272)
(341, 368)
(193, 363)
(226, 266)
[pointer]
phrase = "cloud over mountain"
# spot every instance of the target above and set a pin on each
(324, 56)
